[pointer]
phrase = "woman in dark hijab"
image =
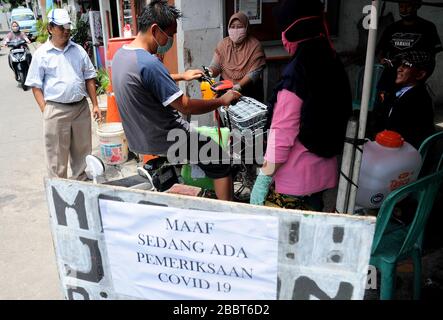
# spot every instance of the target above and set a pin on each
(311, 106)
(240, 58)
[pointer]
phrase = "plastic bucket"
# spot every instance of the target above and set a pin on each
(113, 143)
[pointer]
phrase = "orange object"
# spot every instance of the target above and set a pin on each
(112, 114)
(390, 139)
(222, 86)
(205, 88)
(147, 157)
(114, 44)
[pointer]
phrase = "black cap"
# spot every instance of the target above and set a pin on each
(290, 10)
(419, 59)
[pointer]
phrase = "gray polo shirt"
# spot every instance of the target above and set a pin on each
(144, 91)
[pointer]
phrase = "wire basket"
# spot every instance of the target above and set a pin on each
(247, 114)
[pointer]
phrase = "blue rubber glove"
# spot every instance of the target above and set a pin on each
(260, 189)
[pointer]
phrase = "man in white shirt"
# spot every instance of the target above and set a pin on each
(61, 76)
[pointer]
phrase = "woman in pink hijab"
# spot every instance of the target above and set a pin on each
(15, 34)
(240, 58)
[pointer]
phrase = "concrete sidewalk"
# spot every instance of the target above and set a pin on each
(28, 268)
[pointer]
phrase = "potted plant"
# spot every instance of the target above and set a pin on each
(102, 83)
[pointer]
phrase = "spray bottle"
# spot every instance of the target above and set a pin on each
(205, 86)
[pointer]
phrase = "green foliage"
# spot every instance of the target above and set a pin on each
(80, 33)
(42, 29)
(102, 81)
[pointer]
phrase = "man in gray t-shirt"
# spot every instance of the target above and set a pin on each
(144, 91)
(149, 100)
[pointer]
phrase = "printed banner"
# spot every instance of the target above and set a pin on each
(171, 253)
(119, 243)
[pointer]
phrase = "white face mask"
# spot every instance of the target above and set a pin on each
(15, 29)
(237, 35)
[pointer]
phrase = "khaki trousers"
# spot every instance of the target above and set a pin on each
(67, 133)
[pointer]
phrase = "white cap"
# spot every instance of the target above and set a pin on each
(59, 17)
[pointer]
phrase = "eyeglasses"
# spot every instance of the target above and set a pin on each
(63, 27)
(407, 64)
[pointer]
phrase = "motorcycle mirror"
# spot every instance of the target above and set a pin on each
(205, 69)
(94, 167)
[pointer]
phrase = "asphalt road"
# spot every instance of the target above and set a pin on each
(27, 262)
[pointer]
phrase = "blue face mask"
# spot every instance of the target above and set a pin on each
(161, 50)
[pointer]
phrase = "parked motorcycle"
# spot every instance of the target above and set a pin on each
(19, 60)
(246, 121)
(244, 124)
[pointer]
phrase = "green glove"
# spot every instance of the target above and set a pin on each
(261, 189)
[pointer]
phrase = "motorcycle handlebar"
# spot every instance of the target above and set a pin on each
(16, 42)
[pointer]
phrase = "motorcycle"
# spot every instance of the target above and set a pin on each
(246, 121)
(240, 130)
(19, 60)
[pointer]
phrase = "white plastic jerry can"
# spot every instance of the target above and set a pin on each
(388, 163)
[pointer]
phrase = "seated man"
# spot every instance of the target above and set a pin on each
(149, 100)
(411, 32)
(409, 112)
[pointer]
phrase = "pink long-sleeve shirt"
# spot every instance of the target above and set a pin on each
(303, 172)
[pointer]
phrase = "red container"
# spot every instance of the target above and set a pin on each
(114, 44)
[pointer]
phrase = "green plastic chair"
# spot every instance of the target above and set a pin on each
(427, 145)
(392, 245)
(378, 70)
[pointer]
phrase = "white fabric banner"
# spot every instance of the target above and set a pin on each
(169, 253)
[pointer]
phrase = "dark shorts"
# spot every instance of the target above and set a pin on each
(215, 164)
